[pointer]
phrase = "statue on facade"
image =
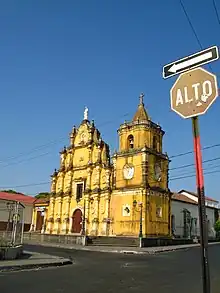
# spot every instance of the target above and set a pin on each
(86, 113)
(68, 160)
(141, 99)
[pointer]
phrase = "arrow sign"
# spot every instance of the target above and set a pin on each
(190, 62)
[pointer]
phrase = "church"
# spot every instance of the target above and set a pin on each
(95, 194)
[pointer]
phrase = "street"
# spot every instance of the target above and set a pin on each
(109, 272)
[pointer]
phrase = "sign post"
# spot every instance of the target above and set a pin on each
(201, 206)
(192, 94)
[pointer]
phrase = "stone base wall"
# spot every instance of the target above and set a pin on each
(119, 241)
(53, 238)
(10, 253)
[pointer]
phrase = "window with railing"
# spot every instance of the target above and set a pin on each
(79, 191)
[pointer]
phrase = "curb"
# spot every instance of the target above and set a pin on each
(122, 251)
(57, 263)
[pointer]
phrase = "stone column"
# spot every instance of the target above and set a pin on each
(95, 221)
(57, 224)
(114, 170)
(90, 154)
(97, 177)
(66, 215)
(86, 212)
(107, 175)
(88, 180)
(43, 230)
(106, 221)
(144, 167)
(51, 215)
(33, 221)
(99, 154)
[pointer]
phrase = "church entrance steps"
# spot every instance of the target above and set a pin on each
(112, 241)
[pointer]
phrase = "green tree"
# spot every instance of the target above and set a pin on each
(217, 229)
(42, 195)
(10, 191)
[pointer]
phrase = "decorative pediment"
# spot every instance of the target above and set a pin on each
(83, 135)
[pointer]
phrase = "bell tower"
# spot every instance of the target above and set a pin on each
(140, 159)
(140, 178)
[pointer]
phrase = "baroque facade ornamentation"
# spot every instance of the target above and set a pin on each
(107, 193)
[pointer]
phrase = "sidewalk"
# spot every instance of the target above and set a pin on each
(125, 250)
(32, 260)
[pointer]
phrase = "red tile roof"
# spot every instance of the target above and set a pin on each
(17, 197)
(183, 198)
(195, 194)
(41, 200)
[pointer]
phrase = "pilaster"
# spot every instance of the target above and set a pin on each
(95, 220)
(66, 214)
(86, 211)
(33, 222)
(57, 224)
(144, 167)
(50, 221)
(106, 219)
(43, 230)
(89, 178)
(114, 170)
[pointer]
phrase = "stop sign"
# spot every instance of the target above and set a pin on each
(193, 92)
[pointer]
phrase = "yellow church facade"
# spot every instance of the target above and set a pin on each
(126, 194)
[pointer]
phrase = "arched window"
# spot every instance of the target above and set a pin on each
(130, 141)
(154, 142)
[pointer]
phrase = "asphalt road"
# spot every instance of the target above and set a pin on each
(178, 271)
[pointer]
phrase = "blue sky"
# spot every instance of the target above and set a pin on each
(57, 57)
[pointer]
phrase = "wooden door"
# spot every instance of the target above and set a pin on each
(40, 221)
(77, 221)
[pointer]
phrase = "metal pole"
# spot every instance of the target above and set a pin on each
(83, 222)
(141, 230)
(22, 227)
(201, 206)
(16, 223)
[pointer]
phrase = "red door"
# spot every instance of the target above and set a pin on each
(77, 221)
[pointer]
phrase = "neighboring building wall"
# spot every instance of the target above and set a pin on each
(27, 216)
(4, 215)
(177, 208)
(208, 202)
(39, 216)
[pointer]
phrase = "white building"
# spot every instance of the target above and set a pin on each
(7, 208)
(185, 214)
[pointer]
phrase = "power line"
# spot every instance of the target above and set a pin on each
(191, 25)
(24, 185)
(190, 165)
(216, 11)
(31, 151)
(189, 176)
(170, 179)
(192, 28)
(191, 152)
(53, 142)
(174, 168)
(26, 160)
(48, 182)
